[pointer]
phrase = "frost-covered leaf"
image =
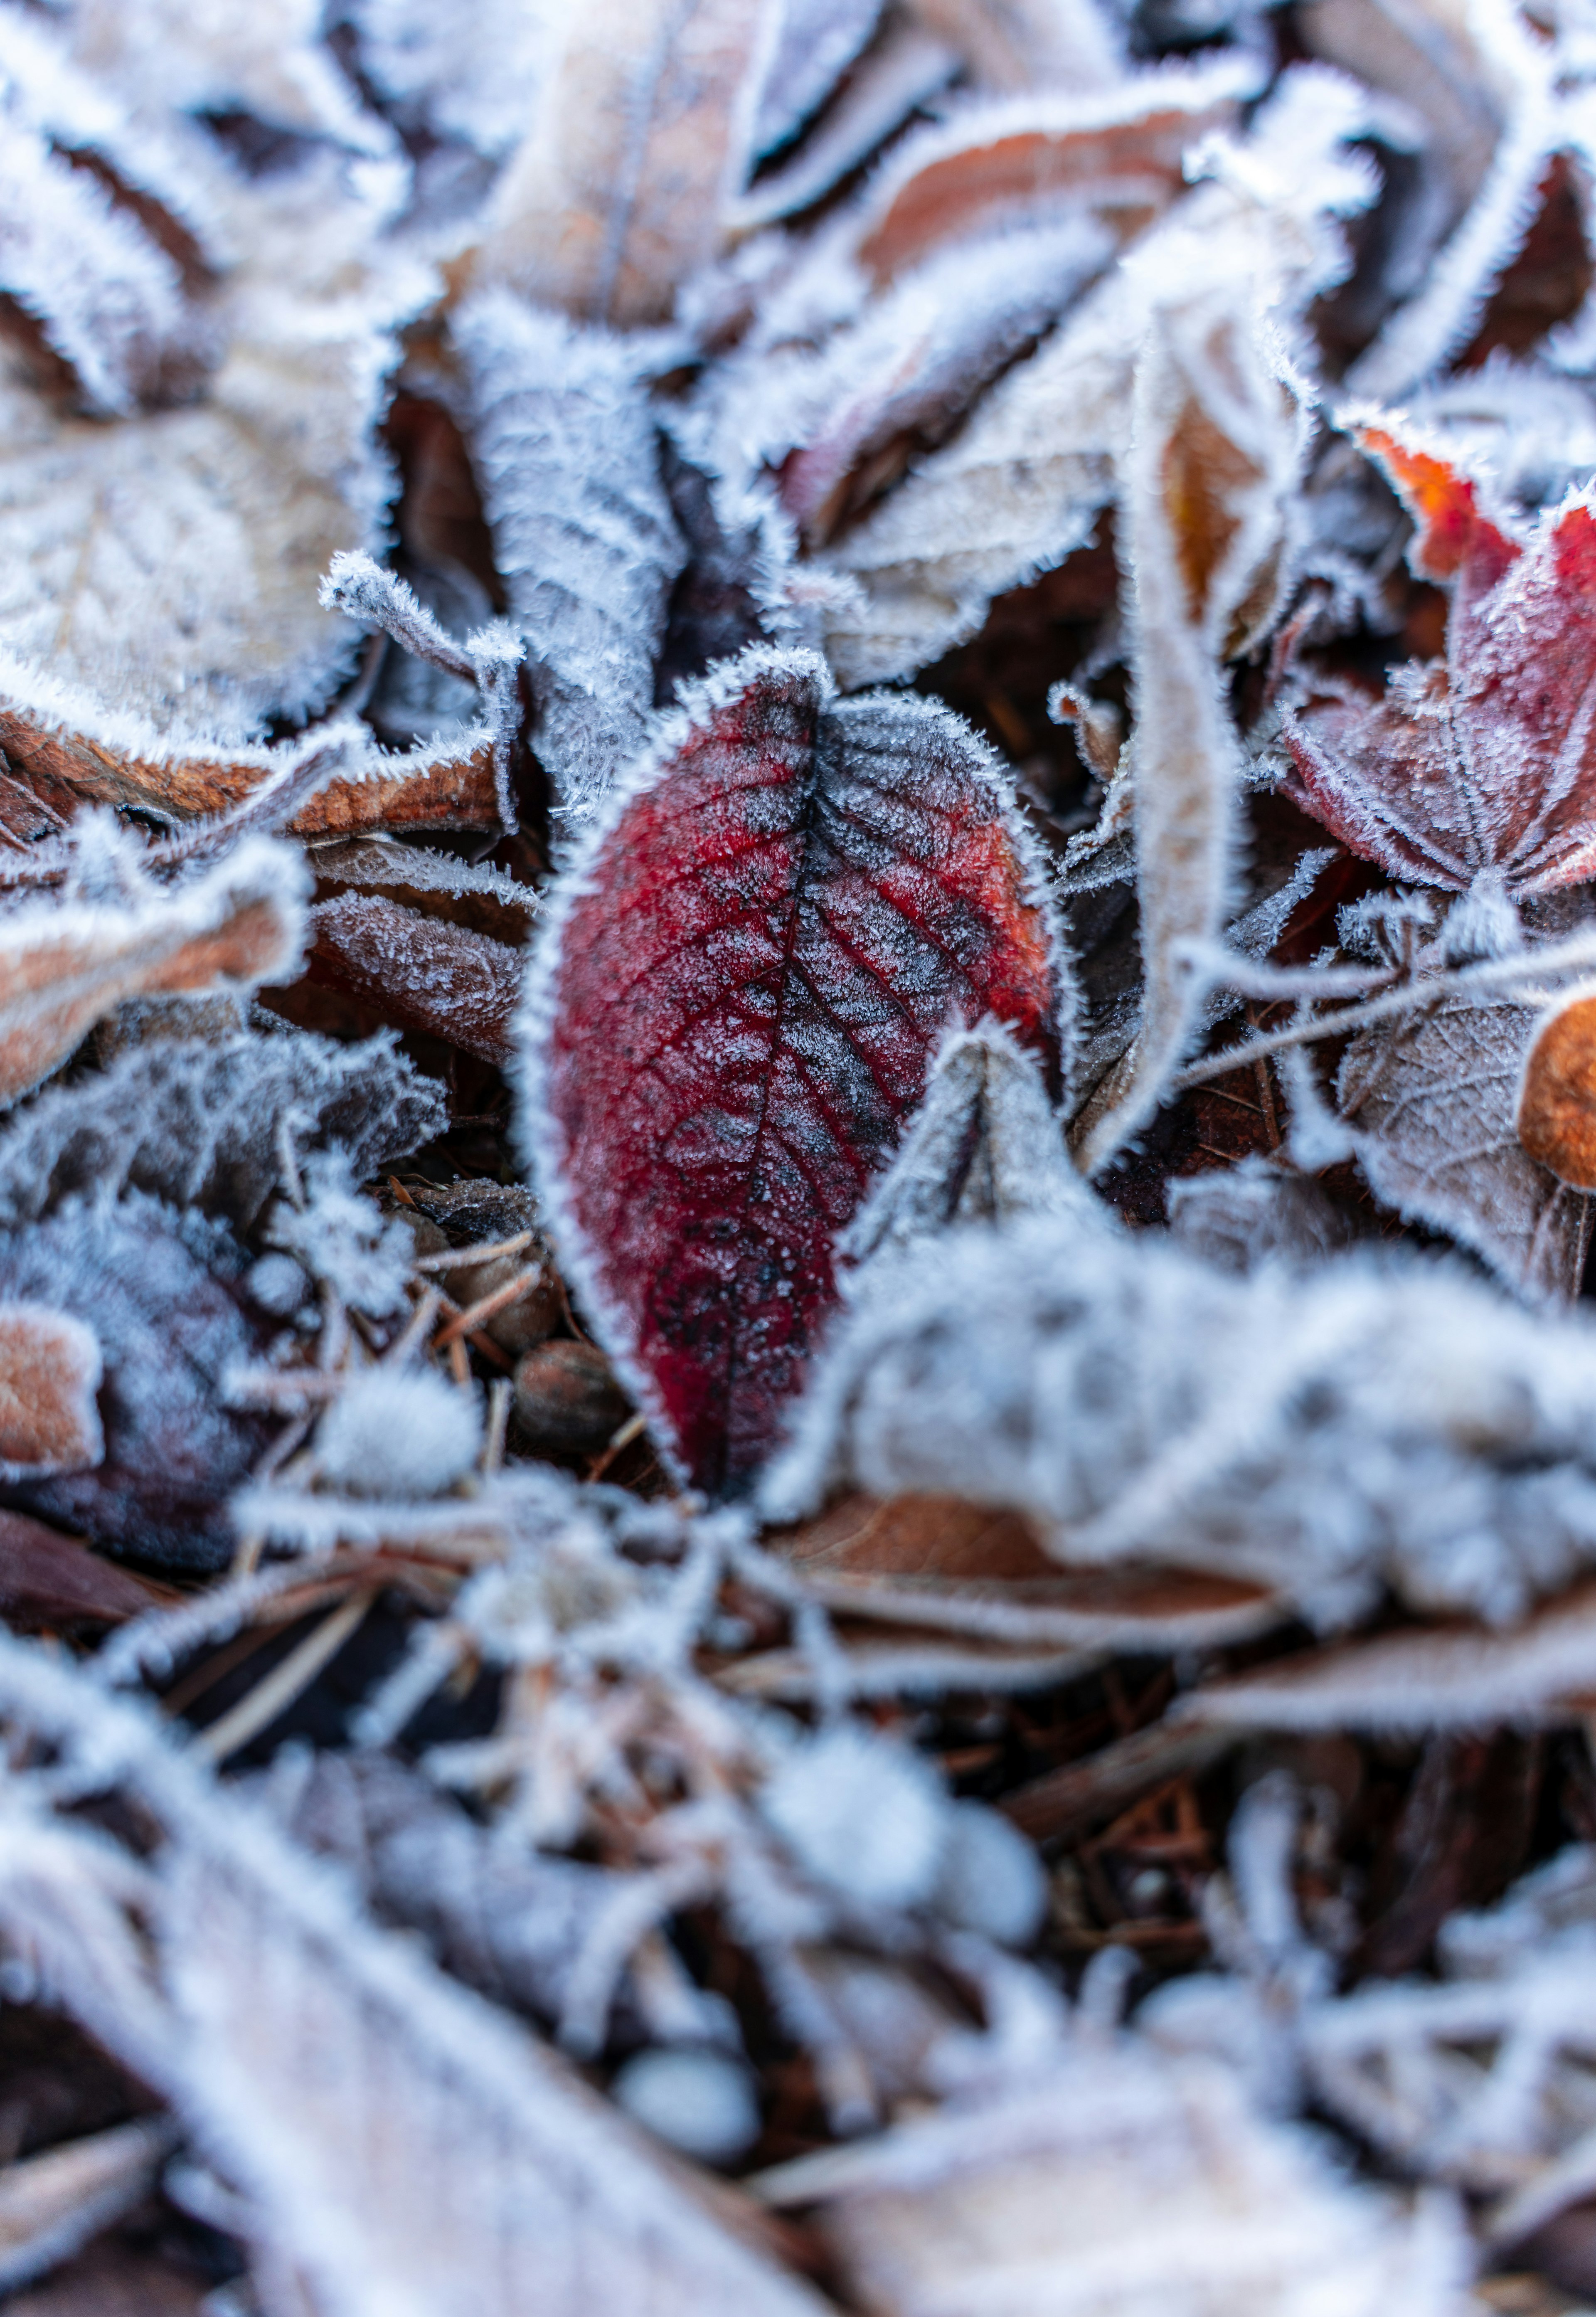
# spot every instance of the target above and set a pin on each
(168, 54)
(1215, 447)
(401, 2148)
(1435, 1679)
(66, 962)
(1022, 44)
(569, 462)
(113, 324)
(1481, 763)
(473, 894)
(985, 1146)
(199, 1124)
(1482, 84)
(54, 2201)
(733, 1009)
(468, 79)
(639, 139)
(1432, 1102)
(839, 424)
(816, 43)
(1023, 485)
(49, 1372)
(162, 1297)
(1126, 2181)
(68, 750)
(166, 561)
(419, 973)
(1370, 1422)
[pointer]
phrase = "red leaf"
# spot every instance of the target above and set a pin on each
(1486, 760)
(734, 1006)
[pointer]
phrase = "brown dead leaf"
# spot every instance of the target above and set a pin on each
(66, 964)
(1556, 1115)
(49, 1372)
(638, 147)
(420, 973)
(66, 764)
(1027, 44)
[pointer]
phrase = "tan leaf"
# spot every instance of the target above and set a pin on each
(55, 2201)
(1439, 1677)
(1555, 1118)
(1431, 1102)
(64, 964)
(639, 146)
(1125, 2182)
(49, 1372)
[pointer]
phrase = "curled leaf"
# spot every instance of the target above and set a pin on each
(733, 1010)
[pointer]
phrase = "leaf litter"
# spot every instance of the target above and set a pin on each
(796, 1095)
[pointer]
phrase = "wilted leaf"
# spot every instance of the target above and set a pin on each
(1130, 2181)
(162, 1297)
(1431, 1102)
(53, 2202)
(1321, 1434)
(69, 752)
(472, 894)
(1022, 44)
(419, 973)
(49, 1372)
(1216, 443)
(816, 43)
(569, 462)
(639, 139)
(733, 1010)
(51, 1580)
(64, 964)
(1481, 764)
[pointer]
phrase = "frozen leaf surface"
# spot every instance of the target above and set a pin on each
(419, 973)
(639, 142)
(200, 1124)
(1368, 1423)
(1431, 1103)
(66, 963)
(569, 462)
(1482, 762)
(1023, 483)
(735, 1008)
(1127, 2182)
